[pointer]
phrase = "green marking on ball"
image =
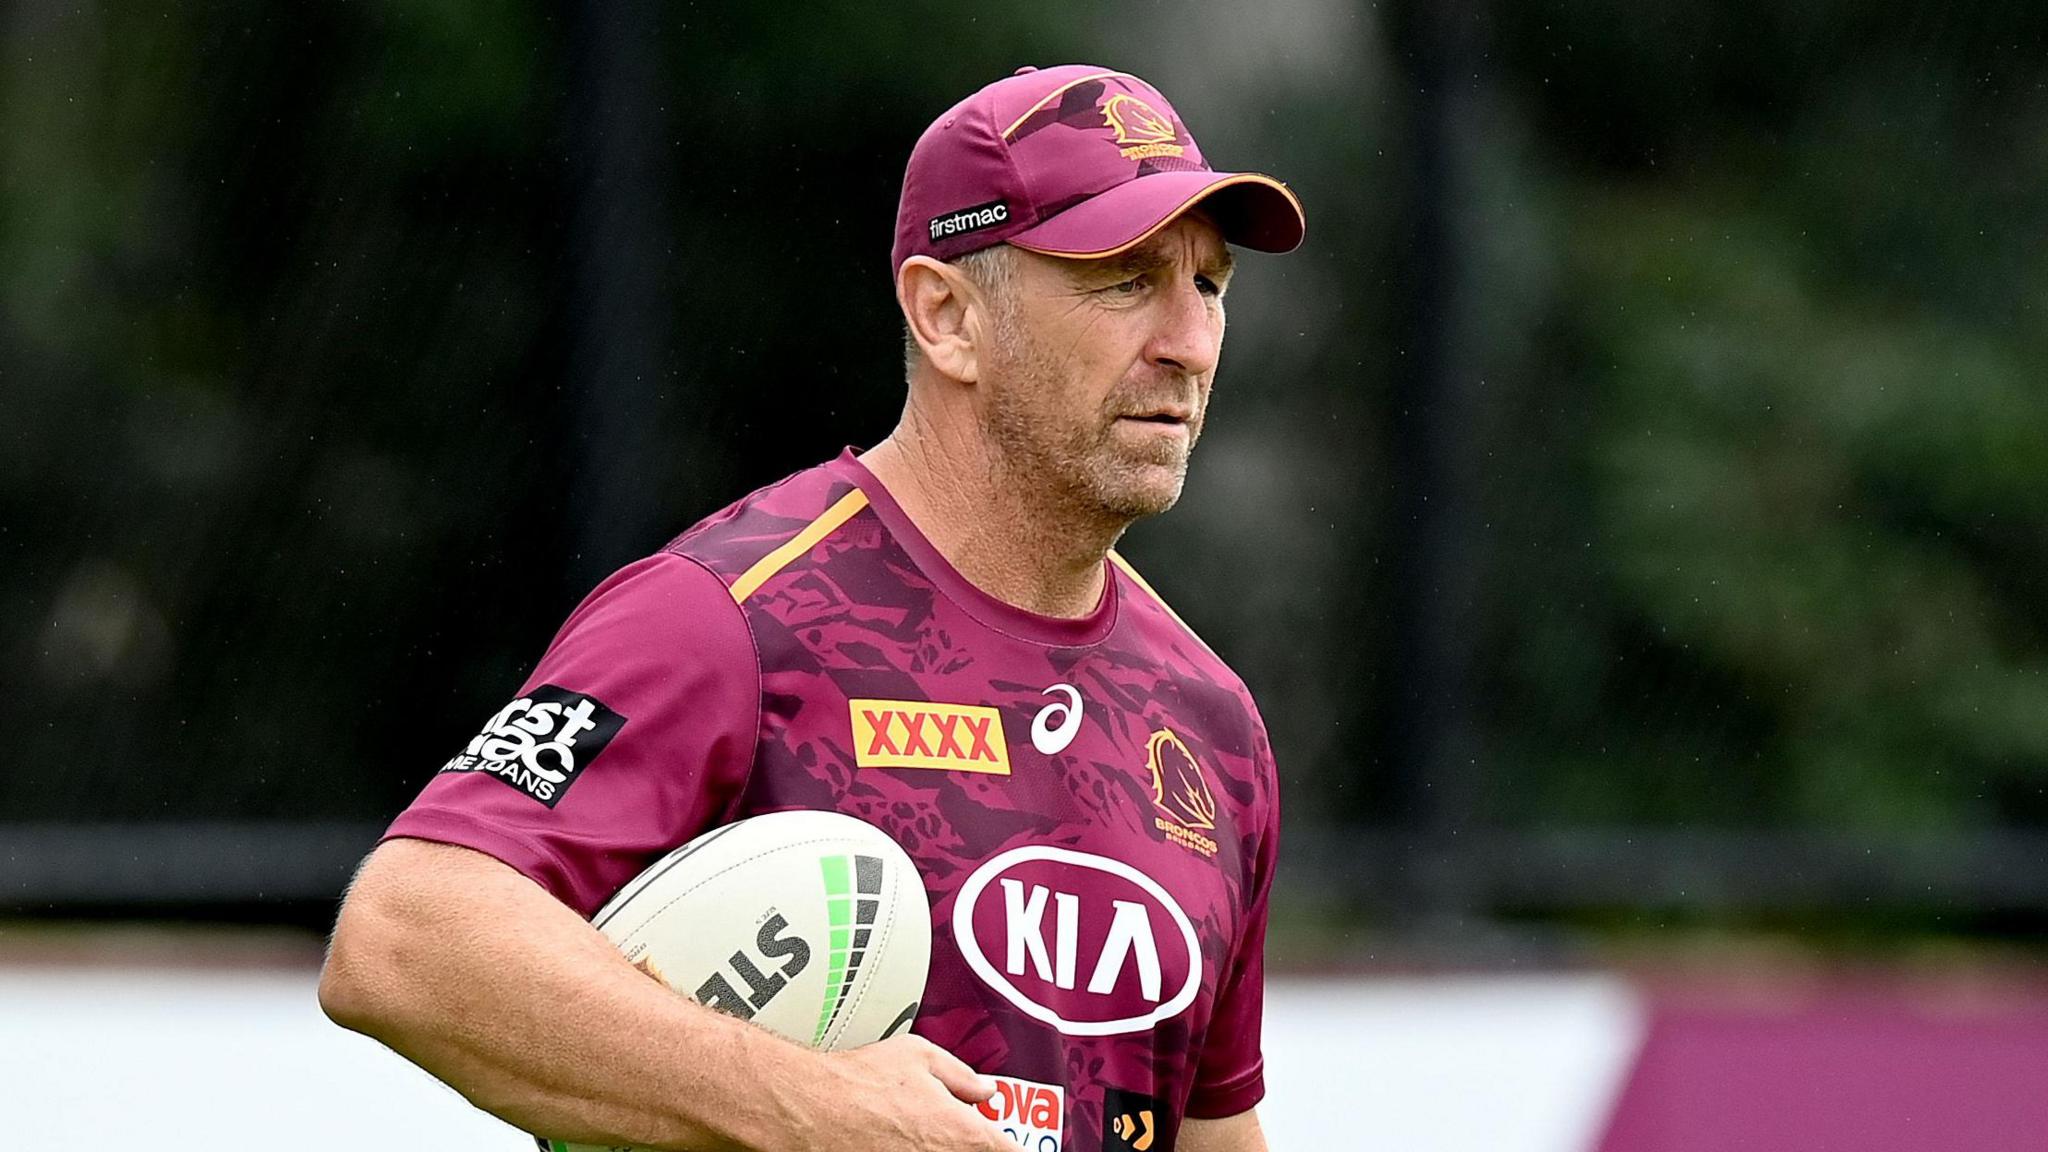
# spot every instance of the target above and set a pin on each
(837, 872)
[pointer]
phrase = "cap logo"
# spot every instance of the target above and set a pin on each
(969, 220)
(1143, 131)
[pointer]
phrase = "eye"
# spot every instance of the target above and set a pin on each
(1127, 288)
(1208, 287)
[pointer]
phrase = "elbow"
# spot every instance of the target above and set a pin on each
(342, 996)
(356, 985)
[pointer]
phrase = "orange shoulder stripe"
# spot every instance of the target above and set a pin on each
(798, 545)
(1124, 564)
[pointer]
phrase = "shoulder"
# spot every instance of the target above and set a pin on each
(1191, 654)
(757, 536)
(1207, 693)
(656, 615)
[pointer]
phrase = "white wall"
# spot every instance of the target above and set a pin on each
(1446, 1065)
(242, 1058)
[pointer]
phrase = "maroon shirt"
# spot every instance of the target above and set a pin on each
(1091, 802)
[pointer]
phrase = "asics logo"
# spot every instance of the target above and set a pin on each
(1058, 722)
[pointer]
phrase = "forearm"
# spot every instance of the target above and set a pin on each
(474, 973)
(1239, 1133)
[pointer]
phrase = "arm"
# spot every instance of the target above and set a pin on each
(1230, 1075)
(476, 974)
(1239, 1133)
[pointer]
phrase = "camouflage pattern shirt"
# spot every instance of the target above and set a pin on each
(1091, 802)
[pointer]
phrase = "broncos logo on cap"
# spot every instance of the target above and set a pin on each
(1142, 130)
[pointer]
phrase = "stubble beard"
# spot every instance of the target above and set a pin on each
(1083, 462)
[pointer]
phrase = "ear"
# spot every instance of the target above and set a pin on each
(947, 316)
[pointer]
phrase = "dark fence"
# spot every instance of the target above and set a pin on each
(1632, 494)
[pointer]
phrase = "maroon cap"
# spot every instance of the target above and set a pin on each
(1074, 161)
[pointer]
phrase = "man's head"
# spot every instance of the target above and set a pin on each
(1060, 261)
(1089, 377)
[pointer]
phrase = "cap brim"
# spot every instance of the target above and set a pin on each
(1251, 210)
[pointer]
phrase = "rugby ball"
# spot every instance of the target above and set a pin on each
(813, 925)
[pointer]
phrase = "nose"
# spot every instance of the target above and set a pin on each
(1189, 335)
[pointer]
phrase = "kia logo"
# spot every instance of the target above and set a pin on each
(1087, 944)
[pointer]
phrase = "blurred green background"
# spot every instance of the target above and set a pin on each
(1629, 506)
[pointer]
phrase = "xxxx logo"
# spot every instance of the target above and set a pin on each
(920, 734)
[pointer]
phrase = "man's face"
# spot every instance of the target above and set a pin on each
(1101, 369)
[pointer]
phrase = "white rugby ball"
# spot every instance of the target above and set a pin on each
(813, 925)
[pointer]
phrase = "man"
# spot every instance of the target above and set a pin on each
(1061, 263)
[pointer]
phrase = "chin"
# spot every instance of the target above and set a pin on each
(1146, 491)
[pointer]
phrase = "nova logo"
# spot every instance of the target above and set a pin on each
(1032, 1115)
(1089, 945)
(915, 734)
(763, 980)
(539, 742)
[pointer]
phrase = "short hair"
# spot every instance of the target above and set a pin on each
(993, 270)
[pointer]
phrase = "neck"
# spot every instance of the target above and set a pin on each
(1002, 530)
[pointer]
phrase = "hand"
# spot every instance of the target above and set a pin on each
(904, 1094)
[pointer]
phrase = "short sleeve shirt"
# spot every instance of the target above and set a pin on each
(1090, 802)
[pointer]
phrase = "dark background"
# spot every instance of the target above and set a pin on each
(1629, 506)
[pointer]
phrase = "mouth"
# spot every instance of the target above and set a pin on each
(1170, 415)
(1158, 425)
